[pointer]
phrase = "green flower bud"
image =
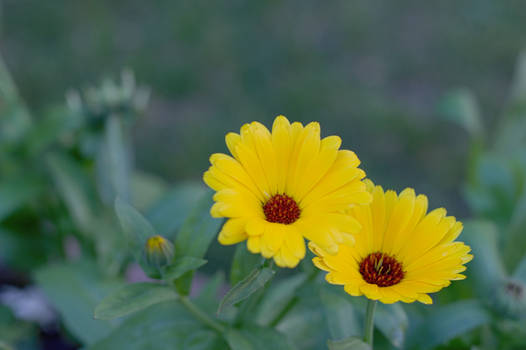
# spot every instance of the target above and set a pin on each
(511, 298)
(158, 251)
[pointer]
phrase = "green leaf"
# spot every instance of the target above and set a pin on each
(196, 234)
(74, 187)
(341, 315)
(392, 321)
(460, 106)
(254, 281)
(256, 338)
(486, 268)
(158, 327)
(134, 225)
(277, 298)
(113, 163)
(132, 298)
(447, 322)
(15, 120)
(520, 271)
(515, 238)
(75, 290)
(181, 266)
(16, 192)
(169, 213)
(519, 83)
(352, 343)
(208, 295)
(243, 263)
(198, 229)
(146, 189)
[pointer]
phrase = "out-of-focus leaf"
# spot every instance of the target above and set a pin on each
(75, 290)
(181, 266)
(15, 120)
(137, 230)
(198, 230)
(74, 188)
(208, 295)
(515, 239)
(159, 326)
(169, 213)
(392, 321)
(243, 263)
(447, 322)
(519, 83)
(520, 271)
(341, 316)
(136, 227)
(256, 338)
(113, 163)
(486, 268)
(352, 343)
(15, 192)
(132, 298)
(461, 107)
(278, 297)
(146, 189)
(195, 236)
(56, 124)
(242, 290)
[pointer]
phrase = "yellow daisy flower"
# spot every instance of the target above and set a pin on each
(401, 253)
(284, 185)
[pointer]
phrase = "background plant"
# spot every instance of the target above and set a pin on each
(61, 167)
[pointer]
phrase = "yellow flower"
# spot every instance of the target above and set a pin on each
(284, 185)
(401, 253)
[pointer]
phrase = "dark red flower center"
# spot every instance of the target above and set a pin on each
(281, 209)
(381, 269)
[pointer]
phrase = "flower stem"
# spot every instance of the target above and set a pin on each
(369, 322)
(200, 315)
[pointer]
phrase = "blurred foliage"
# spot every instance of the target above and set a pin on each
(76, 211)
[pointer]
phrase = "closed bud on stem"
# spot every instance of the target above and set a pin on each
(158, 251)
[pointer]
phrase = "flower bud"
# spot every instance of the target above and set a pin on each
(159, 251)
(511, 298)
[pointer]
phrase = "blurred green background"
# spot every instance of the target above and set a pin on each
(371, 72)
(382, 75)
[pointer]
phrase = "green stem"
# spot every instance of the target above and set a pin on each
(200, 315)
(369, 322)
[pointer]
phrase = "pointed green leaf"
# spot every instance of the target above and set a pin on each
(169, 213)
(520, 271)
(352, 343)
(486, 268)
(134, 225)
(198, 229)
(196, 234)
(392, 321)
(461, 106)
(74, 187)
(243, 263)
(253, 282)
(132, 298)
(341, 315)
(75, 290)
(181, 266)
